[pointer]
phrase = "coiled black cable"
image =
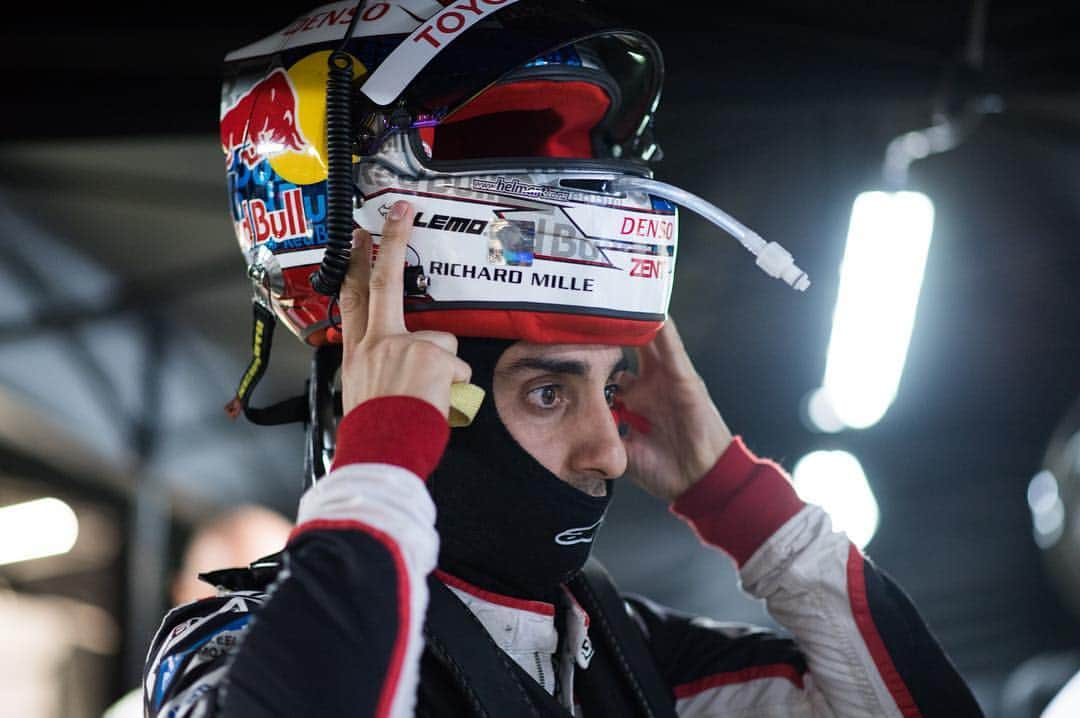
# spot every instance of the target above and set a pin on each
(339, 179)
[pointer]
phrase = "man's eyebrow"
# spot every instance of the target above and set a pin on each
(573, 367)
(622, 365)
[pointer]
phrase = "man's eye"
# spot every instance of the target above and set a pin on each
(545, 397)
(611, 392)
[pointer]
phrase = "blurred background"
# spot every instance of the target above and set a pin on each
(934, 382)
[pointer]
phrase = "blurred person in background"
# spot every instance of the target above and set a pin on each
(236, 537)
(233, 538)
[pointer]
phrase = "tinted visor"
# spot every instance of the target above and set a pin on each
(513, 36)
(531, 118)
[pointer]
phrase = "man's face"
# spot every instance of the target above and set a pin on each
(555, 399)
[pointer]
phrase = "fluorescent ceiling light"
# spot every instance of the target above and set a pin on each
(35, 529)
(1047, 509)
(880, 279)
(820, 412)
(835, 481)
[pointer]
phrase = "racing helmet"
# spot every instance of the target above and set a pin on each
(522, 132)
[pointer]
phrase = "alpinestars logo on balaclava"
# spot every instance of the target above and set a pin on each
(505, 522)
(585, 534)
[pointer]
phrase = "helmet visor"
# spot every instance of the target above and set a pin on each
(512, 37)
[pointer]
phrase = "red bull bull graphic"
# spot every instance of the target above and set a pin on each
(280, 117)
(276, 175)
(263, 122)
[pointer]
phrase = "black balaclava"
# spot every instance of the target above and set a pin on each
(506, 523)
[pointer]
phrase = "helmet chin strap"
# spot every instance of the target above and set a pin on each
(283, 412)
(318, 407)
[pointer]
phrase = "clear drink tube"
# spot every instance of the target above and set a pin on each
(771, 257)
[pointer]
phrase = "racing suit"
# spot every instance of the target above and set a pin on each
(334, 624)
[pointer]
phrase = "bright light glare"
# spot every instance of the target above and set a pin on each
(35, 529)
(835, 481)
(880, 278)
(1066, 704)
(266, 149)
(819, 410)
(1047, 510)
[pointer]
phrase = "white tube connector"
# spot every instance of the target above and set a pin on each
(778, 262)
(771, 257)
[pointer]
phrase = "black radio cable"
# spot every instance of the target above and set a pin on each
(339, 179)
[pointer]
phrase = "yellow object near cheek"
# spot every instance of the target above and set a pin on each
(465, 400)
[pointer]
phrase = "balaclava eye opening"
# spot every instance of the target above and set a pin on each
(506, 523)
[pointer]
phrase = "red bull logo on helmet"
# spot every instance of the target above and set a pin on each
(263, 122)
(261, 224)
(274, 139)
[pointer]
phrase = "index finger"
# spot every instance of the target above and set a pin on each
(666, 349)
(353, 297)
(386, 313)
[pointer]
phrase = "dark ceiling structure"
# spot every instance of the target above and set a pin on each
(126, 315)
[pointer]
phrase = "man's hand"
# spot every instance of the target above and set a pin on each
(686, 435)
(379, 356)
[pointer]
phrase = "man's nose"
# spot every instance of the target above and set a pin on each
(598, 450)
